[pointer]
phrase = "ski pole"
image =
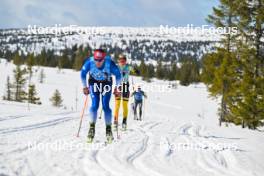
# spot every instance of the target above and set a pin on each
(132, 83)
(84, 107)
(100, 116)
(144, 107)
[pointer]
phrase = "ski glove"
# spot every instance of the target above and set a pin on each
(86, 91)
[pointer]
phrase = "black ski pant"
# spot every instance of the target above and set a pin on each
(138, 103)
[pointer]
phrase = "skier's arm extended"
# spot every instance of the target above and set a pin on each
(132, 94)
(115, 71)
(144, 94)
(85, 69)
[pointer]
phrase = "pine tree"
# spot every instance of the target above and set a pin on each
(219, 70)
(247, 102)
(185, 74)
(79, 59)
(144, 71)
(173, 72)
(17, 60)
(189, 71)
(160, 71)
(30, 63)
(238, 75)
(224, 16)
(248, 98)
(8, 95)
(56, 99)
(64, 60)
(150, 72)
(19, 84)
(42, 58)
(251, 106)
(32, 95)
(251, 15)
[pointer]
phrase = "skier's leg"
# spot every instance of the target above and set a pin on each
(108, 115)
(107, 110)
(125, 108)
(91, 132)
(133, 107)
(117, 106)
(140, 110)
(125, 97)
(125, 113)
(95, 96)
(135, 110)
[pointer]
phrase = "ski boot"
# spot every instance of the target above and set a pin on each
(140, 117)
(124, 124)
(91, 133)
(135, 116)
(109, 134)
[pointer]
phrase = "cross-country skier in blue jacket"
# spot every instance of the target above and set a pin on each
(138, 101)
(100, 69)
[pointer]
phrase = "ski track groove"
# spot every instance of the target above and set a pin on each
(217, 162)
(94, 155)
(135, 159)
(5, 118)
(37, 125)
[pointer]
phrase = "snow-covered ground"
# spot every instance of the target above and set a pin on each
(179, 135)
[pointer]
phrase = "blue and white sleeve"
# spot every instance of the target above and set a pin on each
(85, 69)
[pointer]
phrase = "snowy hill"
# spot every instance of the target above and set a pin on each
(137, 42)
(179, 135)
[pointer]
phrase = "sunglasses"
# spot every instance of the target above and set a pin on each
(122, 61)
(98, 60)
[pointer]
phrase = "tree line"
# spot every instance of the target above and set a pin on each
(187, 69)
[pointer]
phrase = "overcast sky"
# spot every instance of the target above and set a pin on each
(21, 13)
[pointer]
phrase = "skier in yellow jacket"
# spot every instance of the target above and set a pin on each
(125, 70)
